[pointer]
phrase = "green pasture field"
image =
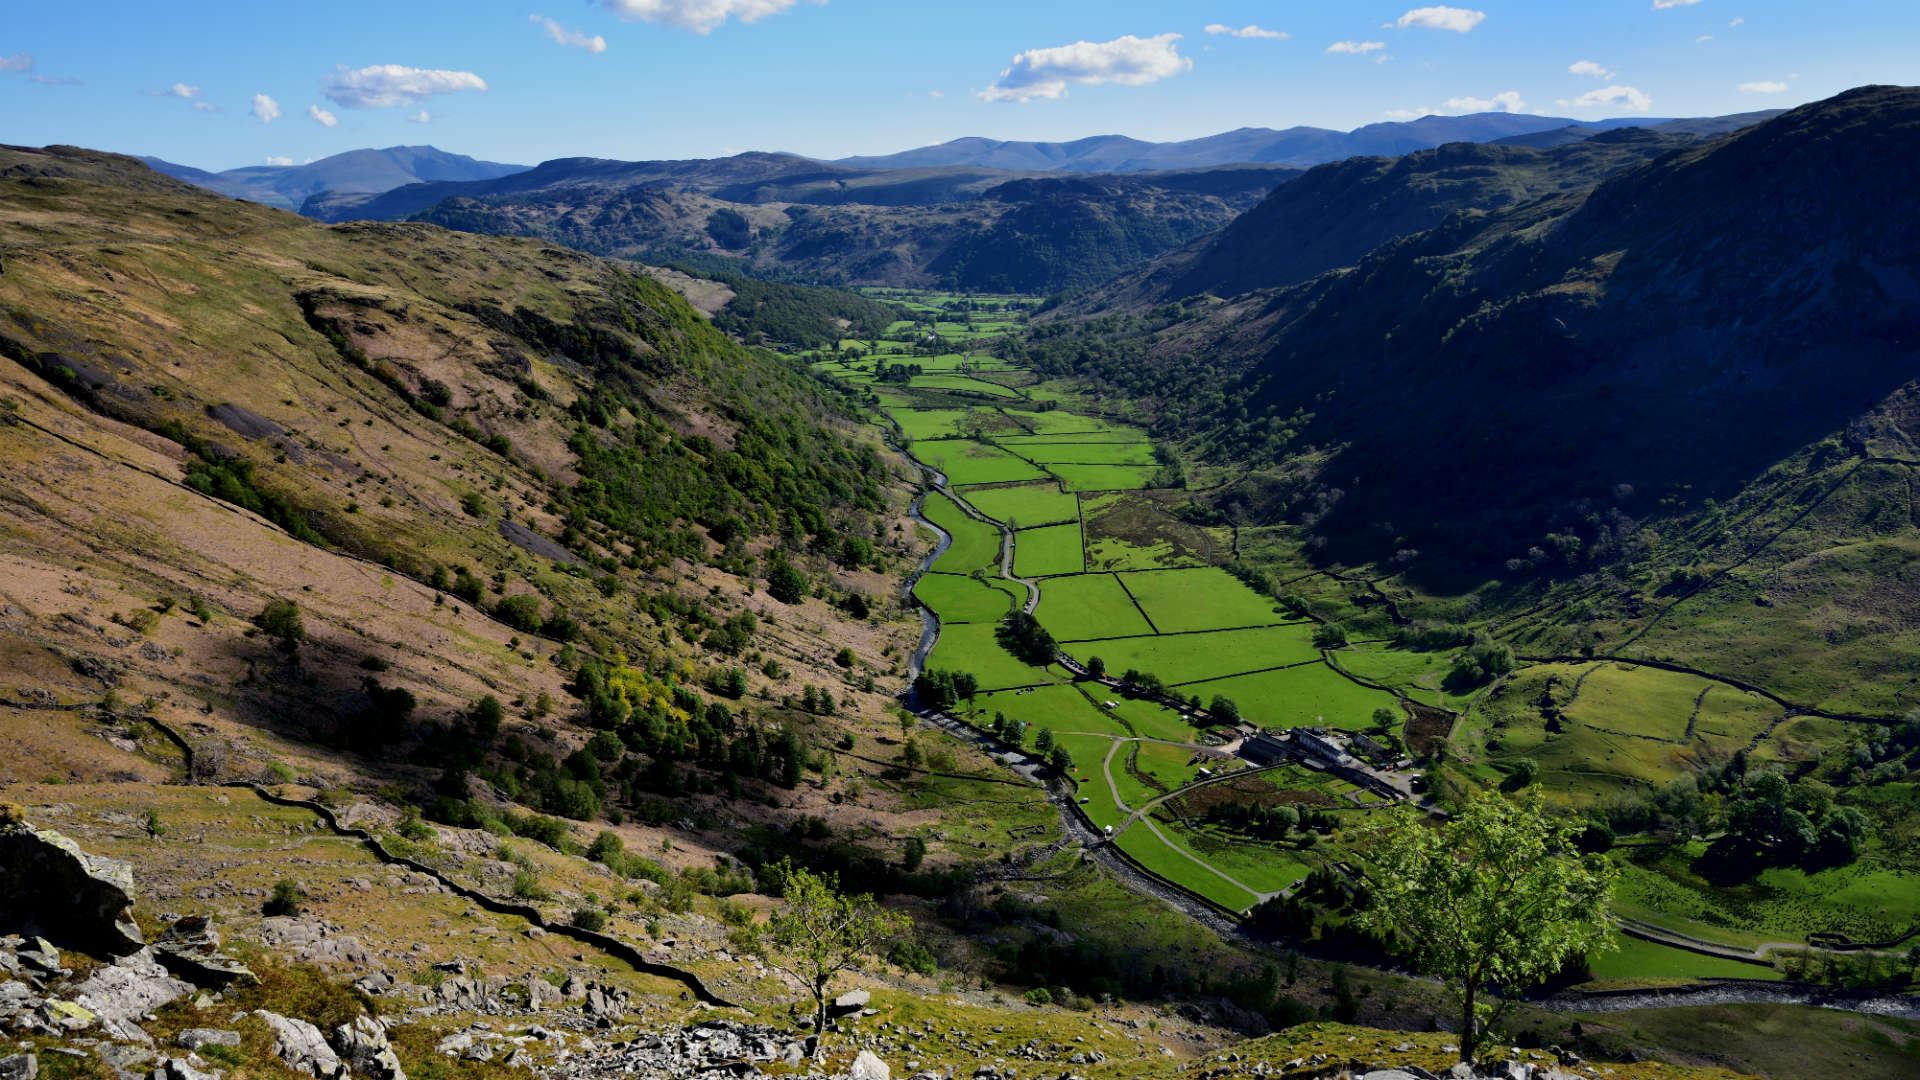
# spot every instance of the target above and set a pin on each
(1104, 477)
(1637, 700)
(1026, 505)
(1185, 658)
(967, 463)
(1865, 900)
(1104, 437)
(1172, 766)
(1086, 453)
(1416, 674)
(1298, 697)
(1803, 738)
(1263, 866)
(1204, 598)
(1086, 606)
(1061, 708)
(1061, 421)
(1088, 751)
(961, 382)
(924, 424)
(1641, 960)
(1169, 862)
(1731, 718)
(1043, 552)
(972, 647)
(958, 599)
(975, 543)
(1150, 719)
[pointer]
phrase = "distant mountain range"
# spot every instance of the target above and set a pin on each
(359, 171)
(1296, 146)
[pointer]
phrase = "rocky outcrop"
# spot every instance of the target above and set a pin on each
(120, 994)
(363, 1043)
(301, 1046)
(190, 948)
(51, 886)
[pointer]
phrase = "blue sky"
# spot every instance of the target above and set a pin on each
(219, 84)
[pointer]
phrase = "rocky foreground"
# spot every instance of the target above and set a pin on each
(109, 1001)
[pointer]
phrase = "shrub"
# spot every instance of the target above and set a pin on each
(526, 886)
(1039, 995)
(281, 621)
(285, 899)
(520, 611)
(589, 918)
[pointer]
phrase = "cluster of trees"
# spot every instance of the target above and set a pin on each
(1025, 638)
(943, 690)
(1777, 822)
(1269, 822)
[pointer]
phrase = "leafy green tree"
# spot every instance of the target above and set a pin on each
(786, 584)
(1224, 710)
(1043, 740)
(915, 854)
(1330, 635)
(1762, 820)
(821, 932)
(281, 621)
(1096, 667)
(1498, 896)
(1060, 758)
(486, 716)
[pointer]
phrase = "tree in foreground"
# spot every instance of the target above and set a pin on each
(821, 932)
(1497, 897)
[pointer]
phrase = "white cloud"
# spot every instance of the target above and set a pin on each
(20, 61)
(1458, 20)
(1588, 67)
(205, 106)
(574, 38)
(179, 90)
(1408, 114)
(699, 16)
(1357, 48)
(1737, 20)
(1505, 101)
(935, 94)
(1248, 31)
(1763, 88)
(53, 80)
(421, 117)
(386, 85)
(273, 160)
(1703, 37)
(1128, 60)
(1625, 96)
(1662, 5)
(265, 109)
(321, 116)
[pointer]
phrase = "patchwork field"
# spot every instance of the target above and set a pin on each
(1186, 658)
(958, 599)
(1104, 477)
(967, 463)
(1087, 606)
(973, 647)
(1026, 505)
(1207, 598)
(1295, 697)
(1053, 549)
(975, 543)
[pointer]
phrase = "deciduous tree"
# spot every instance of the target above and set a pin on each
(1497, 897)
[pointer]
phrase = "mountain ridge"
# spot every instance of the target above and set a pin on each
(358, 171)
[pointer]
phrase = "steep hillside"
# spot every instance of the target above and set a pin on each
(1652, 382)
(356, 171)
(474, 465)
(1335, 214)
